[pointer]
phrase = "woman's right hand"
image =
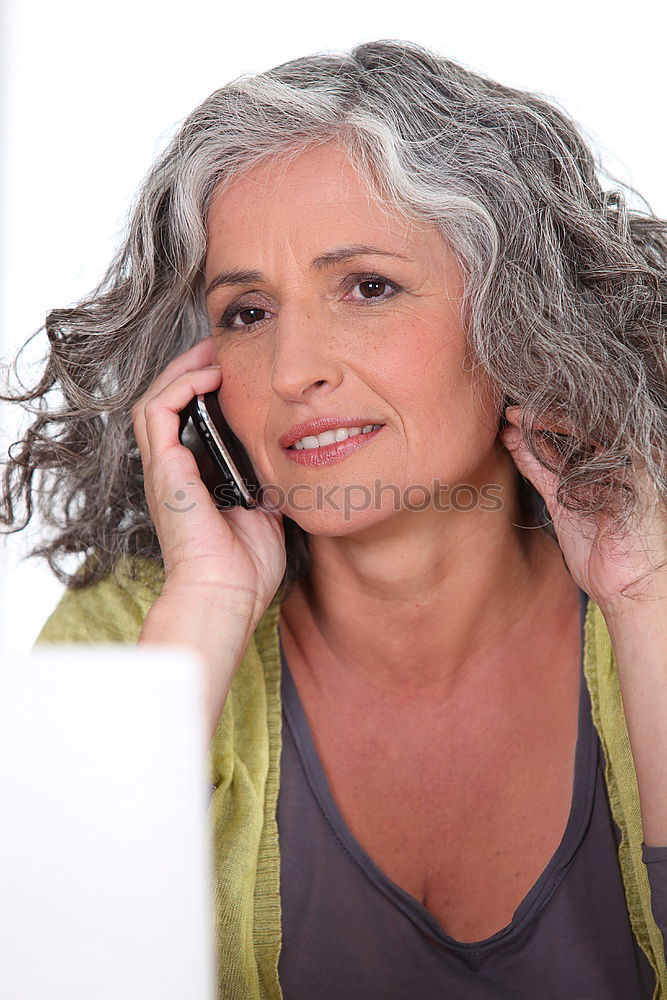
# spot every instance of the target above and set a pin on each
(235, 549)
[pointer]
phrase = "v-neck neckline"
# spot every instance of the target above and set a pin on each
(586, 761)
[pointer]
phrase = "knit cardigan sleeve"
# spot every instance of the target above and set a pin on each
(621, 780)
(111, 610)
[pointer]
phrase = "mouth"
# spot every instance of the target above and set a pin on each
(336, 451)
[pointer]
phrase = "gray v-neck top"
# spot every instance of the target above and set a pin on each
(350, 933)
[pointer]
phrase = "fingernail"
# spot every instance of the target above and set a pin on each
(216, 365)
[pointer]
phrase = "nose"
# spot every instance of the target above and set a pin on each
(305, 360)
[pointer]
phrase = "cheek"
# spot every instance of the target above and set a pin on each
(450, 408)
(240, 396)
(421, 364)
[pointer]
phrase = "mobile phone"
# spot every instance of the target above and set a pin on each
(224, 464)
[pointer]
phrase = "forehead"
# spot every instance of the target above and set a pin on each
(312, 188)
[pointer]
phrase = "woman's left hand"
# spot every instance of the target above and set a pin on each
(610, 567)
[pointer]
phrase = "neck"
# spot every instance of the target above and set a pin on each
(416, 604)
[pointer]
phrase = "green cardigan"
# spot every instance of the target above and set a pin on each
(245, 768)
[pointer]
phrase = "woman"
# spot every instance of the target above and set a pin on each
(423, 784)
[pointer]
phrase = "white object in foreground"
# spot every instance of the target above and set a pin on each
(105, 863)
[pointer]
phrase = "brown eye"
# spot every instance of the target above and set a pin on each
(374, 287)
(249, 316)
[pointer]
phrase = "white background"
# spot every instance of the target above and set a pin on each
(91, 93)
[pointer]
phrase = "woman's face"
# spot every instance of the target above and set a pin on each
(374, 336)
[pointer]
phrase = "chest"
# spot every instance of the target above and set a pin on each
(463, 817)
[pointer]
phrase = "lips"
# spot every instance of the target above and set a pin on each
(312, 428)
(328, 454)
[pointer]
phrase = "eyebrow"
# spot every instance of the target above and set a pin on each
(339, 255)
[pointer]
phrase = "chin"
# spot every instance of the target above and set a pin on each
(330, 523)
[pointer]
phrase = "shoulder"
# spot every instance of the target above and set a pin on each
(111, 610)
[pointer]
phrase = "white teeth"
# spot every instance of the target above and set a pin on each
(307, 442)
(329, 437)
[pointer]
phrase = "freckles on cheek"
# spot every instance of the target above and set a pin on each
(244, 401)
(235, 398)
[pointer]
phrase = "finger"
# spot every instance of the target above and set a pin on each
(172, 481)
(157, 421)
(545, 482)
(561, 426)
(178, 367)
(162, 411)
(194, 358)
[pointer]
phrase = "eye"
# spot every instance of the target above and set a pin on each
(244, 312)
(250, 315)
(374, 284)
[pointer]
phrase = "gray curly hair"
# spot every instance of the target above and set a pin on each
(563, 306)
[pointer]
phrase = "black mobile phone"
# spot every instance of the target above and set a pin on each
(224, 465)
